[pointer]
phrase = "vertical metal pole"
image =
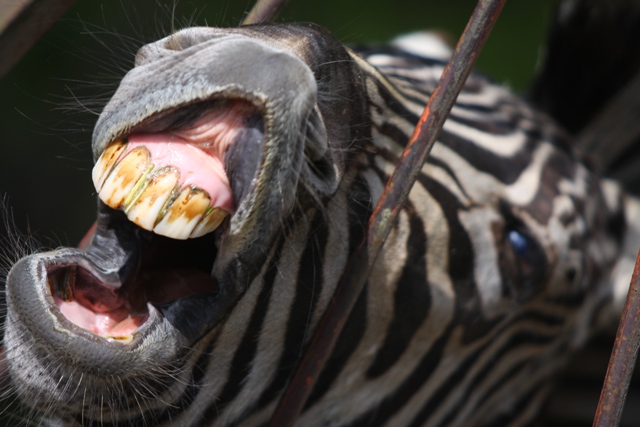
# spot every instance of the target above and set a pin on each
(264, 11)
(383, 217)
(623, 358)
(25, 24)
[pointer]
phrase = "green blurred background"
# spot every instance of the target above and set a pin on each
(50, 100)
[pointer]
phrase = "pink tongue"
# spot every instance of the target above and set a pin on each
(119, 321)
(102, 311)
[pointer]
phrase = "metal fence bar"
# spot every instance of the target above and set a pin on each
(384, 215)
(264, 11)
(24, 25)
(623, 358)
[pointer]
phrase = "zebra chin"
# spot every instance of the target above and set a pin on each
(121, 306)
(61, 305)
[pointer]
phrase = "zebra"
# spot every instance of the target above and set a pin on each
(500, 263)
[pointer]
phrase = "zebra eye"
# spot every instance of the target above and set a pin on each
(527, 264)
(519, 242)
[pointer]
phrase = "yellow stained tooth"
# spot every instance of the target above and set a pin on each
(137, 189)
(145, 209)
(183, 214)
(105, 163)
(135, 166)
(209, 222)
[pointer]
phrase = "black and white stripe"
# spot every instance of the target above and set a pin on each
(438, 337)
(456, 326)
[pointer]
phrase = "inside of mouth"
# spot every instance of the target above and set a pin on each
(215, 148)
(180, 172)
(170, 270)
(198, 166)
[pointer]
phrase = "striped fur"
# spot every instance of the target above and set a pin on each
(456, 325)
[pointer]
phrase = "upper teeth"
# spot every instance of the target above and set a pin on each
(151, 196)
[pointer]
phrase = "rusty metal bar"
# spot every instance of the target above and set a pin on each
(22, 24)
(264, 11)
(623, 358)
(384, 215)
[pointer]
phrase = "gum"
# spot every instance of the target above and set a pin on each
(198, 150)
(197, 167)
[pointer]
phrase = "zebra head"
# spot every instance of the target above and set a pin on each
(288, 157)
(199, 288)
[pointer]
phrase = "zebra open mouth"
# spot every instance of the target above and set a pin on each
(85, 298)
(179, 174)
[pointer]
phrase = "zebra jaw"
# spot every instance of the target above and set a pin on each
(151, 195)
